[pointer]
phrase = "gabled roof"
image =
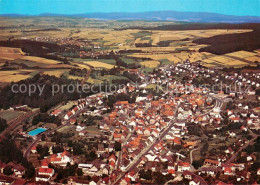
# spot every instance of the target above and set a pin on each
(46, 170)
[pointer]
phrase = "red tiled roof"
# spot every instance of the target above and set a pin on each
(45, 162)
(211, 161)
(45, 170)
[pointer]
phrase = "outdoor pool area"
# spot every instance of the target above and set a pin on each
(36, 131)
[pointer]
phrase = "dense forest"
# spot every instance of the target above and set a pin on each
(222, 44)
(45, 101)
(40, 49)
(43, 117)
(3, 124)
(199, 26)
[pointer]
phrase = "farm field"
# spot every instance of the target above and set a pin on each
(14, 76)
(147, 48)
(9, 115)
(110, 78)
(242, 54)
(235, 59)
(97, 64)
(93, 80)
(150, 64)
(56, 73)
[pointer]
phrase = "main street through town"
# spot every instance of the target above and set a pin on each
(137, 160)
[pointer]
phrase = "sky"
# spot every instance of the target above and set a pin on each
(35, 7)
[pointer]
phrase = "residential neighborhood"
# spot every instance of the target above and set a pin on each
(177, 132)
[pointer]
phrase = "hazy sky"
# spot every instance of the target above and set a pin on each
(229, 7)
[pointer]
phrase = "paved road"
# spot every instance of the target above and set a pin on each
(191, 157)
(38, 138)
(138, 159)
(234, 156)
(28, 151)
(123, 146)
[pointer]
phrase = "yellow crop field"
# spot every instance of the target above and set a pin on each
(253, 59)
(222, 59)
(150, 63)
(75, 77)
(40, 60)
(83, 66)
(156, 39)
(8, 50)
(56, 73)
(7, 53)
(94, 81)
(12, 76)
(98, 64)
(237, 63)
(242, 54)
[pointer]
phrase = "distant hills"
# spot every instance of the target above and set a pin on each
(161, 16)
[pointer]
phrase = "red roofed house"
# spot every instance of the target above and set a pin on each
(45, 163)
(46, 171)
(228, 171)
(212, 162)
(33, 150)
(68, 115)
(56, 112)
(183, 166)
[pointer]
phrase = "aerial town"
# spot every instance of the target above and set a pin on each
(153, 137)
(154, 97)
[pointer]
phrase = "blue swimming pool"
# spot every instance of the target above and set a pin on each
(36, 131)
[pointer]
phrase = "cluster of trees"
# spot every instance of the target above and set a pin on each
(79, 149)
(255, 147)
(165, 43)
(112, 99)
(194, 129)
(42, 151)
(10, 153)
(132, 77)
(78, 72)
(155, 177)
(130, 51)
(91, 120)
(64, 173)
(59, 137)
(143, 45)
(3, 125)
(201, 26)
(122, 63)
(44, 117)
(40, 49)
(46, 100)
(198, 163)
(239, 70)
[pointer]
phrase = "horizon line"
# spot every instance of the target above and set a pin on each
(75, 14)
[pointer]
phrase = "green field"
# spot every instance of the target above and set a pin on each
(9, 115)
